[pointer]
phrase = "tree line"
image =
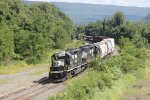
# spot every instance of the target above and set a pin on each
(27, 32)
(117, 26)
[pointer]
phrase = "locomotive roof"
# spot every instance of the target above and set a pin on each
(101, 42)
(87, 46)
(103, 37)
(59, 54)
(73, 50)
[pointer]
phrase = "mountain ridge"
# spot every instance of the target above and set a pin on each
(83, 13)
(86, 3)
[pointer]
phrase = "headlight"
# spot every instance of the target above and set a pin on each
(56, 76)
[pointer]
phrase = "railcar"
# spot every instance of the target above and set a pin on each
(112, 41)
(88, 53)
(101, 49)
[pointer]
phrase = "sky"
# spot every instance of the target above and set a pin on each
(136, 3)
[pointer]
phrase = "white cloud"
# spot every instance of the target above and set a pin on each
(138, 3)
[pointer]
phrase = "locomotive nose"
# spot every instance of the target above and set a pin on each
(56, 76)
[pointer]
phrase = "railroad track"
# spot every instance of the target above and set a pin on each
(30, 90)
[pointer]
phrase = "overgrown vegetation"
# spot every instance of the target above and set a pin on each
(28, 32)
(102, 79)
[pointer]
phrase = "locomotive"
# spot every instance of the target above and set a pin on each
(73, 61)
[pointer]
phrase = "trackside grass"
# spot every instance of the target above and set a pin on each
(4, 81)
(147, 70)
(18, 66)
(39, 72)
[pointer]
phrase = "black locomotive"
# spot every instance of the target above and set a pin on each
(73, 61)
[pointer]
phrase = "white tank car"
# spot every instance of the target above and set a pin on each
(109, 46)
(112, 41)
(102, 47)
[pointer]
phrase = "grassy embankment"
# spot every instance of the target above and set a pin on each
(107, 80)
(18, 66)
(141, 86)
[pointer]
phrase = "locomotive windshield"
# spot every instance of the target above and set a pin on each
(58, 61)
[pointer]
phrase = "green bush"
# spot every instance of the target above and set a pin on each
(132, 57)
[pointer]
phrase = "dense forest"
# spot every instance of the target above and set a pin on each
(117, 26)
(147, 18)
(27, 32)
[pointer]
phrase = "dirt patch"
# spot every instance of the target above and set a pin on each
(12, 81)
(115, 52)
(138, 91)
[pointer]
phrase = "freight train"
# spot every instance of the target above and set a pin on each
(73, 61)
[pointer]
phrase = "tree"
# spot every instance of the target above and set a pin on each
(60, 38)
(118, 18)
(35, 48)
(6, 43)
(139, 41)
(81, 36)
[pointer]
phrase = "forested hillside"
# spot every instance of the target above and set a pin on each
(84, 13)
(147, 18)
(28, 32)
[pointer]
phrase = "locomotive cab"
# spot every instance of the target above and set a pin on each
(74, 56)
(64, 63)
